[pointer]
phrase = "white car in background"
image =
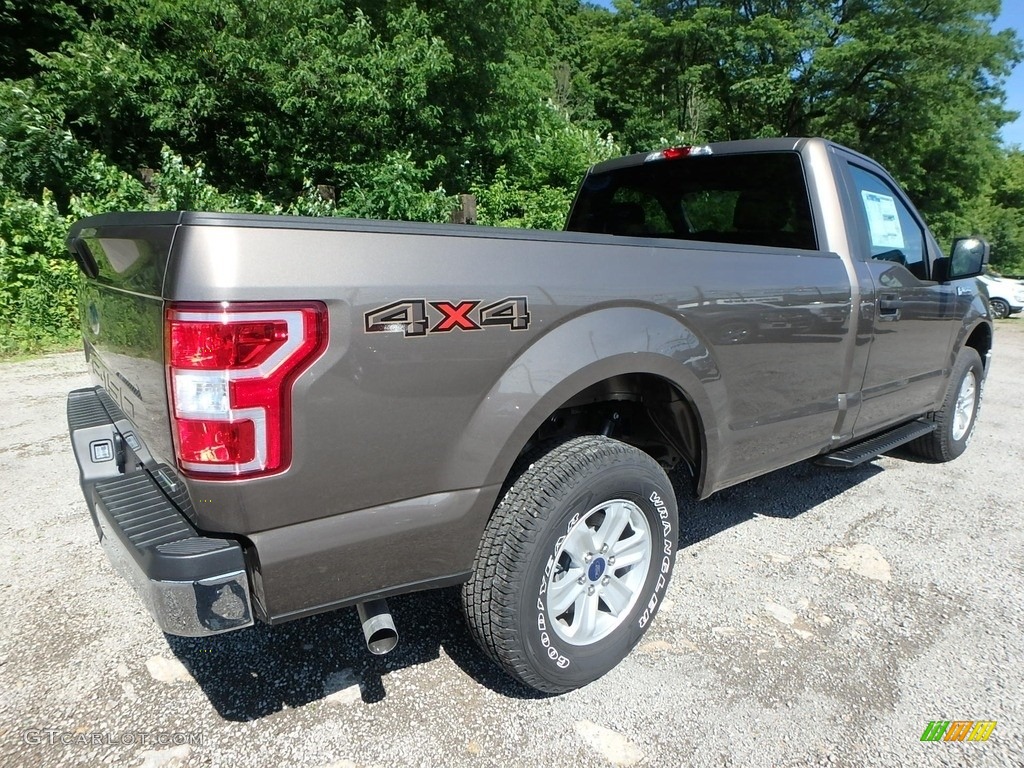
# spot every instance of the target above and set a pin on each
(1005, 297)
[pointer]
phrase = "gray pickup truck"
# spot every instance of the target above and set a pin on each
(293, 415)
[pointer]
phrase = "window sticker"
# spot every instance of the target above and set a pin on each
(883, 220)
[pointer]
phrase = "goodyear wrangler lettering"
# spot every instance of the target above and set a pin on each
(666, 560)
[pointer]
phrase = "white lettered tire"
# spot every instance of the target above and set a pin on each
(574, 563)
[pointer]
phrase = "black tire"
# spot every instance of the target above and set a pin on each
(508, 602)
(950, 438)
(1000, 308)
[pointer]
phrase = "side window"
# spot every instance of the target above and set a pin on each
(892, 231)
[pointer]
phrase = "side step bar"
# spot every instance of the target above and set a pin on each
(865, 450)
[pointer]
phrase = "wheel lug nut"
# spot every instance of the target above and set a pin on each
(587, 557)
(581, 579)
(611, 561)
(604, 549)
(590, 590)
(605, 580)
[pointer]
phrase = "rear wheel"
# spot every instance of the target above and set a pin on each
(1000, 308)
(573, 564)
(954, 422)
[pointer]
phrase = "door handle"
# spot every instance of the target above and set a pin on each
(889, 308)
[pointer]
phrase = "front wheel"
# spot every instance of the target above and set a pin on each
(574, 563)
(1000, 308)
(955, 420)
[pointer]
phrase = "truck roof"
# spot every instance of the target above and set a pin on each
(715, 148)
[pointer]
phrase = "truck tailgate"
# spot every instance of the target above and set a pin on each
(124, 258)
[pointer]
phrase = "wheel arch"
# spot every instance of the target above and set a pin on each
(611, 355)
(980, 338)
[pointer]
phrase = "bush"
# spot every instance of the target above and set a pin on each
(537, 193)
(38, 281)
(395, 189)
(503, 203)
(175, 187)
(38, 288)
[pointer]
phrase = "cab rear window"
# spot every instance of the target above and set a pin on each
(758, 199)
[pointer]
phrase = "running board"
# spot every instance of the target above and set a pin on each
(858, 453)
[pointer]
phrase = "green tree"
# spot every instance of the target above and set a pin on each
(37, 148)
(37, 292)
(917, 84)
(27, 26)
(267, 93)
(998, 214)
(537, 193)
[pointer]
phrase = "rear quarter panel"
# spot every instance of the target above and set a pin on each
(382, 417)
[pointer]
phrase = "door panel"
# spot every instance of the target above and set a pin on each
(913, 316)
(908, 350)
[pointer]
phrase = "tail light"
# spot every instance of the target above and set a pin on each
(230, 370)
(674, 153)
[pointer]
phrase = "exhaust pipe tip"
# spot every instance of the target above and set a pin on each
(378, 626)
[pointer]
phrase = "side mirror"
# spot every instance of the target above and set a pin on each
(968, 257)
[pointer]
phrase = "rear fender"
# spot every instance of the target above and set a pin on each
(578, 353)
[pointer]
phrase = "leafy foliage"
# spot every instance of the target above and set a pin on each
(37, 292)
(37, 148)
(396, 189)
(913, 83)
(387, 108)
(35, 25)
(503, 203)
(267, 93)
(999, 215)
(537, 194)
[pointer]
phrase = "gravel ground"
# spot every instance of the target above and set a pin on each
(816, 617)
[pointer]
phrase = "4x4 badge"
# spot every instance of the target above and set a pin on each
(419, 317)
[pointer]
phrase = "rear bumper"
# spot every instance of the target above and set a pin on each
(192, 585)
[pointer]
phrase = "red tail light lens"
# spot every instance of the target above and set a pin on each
(230, 370)
(205, 441)
(205, 345)
(674, 153)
